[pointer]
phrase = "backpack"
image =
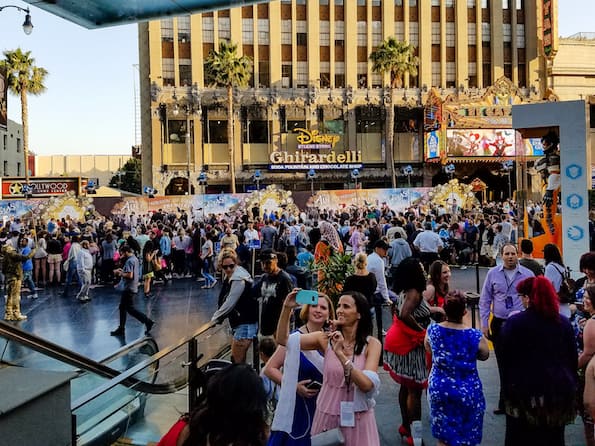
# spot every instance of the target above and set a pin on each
(567, 291)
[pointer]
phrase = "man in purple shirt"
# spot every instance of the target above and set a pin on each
(499, 297)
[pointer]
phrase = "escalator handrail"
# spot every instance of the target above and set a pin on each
(75, 359)
(127, 375)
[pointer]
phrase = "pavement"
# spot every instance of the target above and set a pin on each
(179, 309)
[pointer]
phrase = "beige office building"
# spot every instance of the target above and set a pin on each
(311, 71)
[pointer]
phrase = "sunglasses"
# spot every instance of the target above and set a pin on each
(232, 266)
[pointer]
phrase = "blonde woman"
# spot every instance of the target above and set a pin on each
(300, 382)
(237, 304)
(363, 280)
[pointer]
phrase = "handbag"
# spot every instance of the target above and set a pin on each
(332, 437)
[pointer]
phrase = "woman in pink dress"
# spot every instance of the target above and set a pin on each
(350, 378)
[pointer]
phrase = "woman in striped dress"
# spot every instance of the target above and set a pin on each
(404, 344)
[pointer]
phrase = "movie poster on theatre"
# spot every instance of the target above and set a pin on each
(488, 143)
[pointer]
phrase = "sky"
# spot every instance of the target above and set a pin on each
(88, 107)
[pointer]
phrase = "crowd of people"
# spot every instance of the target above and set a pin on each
(324, 375)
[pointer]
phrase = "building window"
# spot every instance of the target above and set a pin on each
(339, 2)
(487, 74)
(302, 74)
(167, 30)
(450, 34)
(325, 74)
(484, 4)
(216, 132)
(208, 30)
(435, 3)
(400, 31)
(362, 74)
(176, 131)
(185, 72)
(520, 35)
(398, 2)
(340, 31)
(376, 33)
(286, 80)
(325, 33)
(519, 5)
(224, 28)
(450, 3)
(247, 31)
(376, 80)
(362, 34)
(256, 132)
(263, 32)
(414, 33)
(18, 169)
(485, 32)
(167, 73)
(472, 71)
(471, 34)
(19, 148)
(505, 4)
(451, 74)
(301, 32)
(264, 78)
(436, 74)
(301, 39)
(5, 168)
(339, 74)
(435, 33)
(184, 28)
(286, 32)
(470, 3)
(506, 32)
(5, 142)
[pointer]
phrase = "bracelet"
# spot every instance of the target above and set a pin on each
(346, 363)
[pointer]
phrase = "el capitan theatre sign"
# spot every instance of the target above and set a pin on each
(40, 187)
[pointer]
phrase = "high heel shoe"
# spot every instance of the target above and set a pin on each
(404, 431)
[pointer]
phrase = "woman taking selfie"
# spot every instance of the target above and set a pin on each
(350, 379)
(300, 382)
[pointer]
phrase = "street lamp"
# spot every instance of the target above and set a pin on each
(355, 176)
(408, 171)
(202, 181)
(27, 24)
(257, 177)
(507, 168)
(192, 107)
(311, 175)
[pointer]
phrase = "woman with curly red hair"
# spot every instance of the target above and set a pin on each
(539, 366)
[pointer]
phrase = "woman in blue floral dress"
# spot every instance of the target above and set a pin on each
(455, 392)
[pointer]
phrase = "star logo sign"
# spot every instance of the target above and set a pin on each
(574, 201)
(15, 189)
(575, 233)
(574, 171)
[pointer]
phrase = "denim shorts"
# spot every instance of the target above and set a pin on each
(245, 331)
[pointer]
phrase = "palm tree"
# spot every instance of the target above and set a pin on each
(397, 58)
(23, 78)
(225, 68)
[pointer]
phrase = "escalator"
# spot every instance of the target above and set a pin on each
(110, 394)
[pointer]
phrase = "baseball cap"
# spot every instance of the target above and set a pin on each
(381, 244)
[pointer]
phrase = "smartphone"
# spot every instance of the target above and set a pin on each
(307, 297)
(314, 385)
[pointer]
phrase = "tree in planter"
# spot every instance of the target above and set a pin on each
(128, 177)
(334, 272)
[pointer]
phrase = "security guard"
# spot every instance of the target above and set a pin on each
(12, 267)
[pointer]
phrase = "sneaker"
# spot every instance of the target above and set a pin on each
(34, 296)
(204, 287)
(463, 267)
(200, 279)
(84, 299)
(213, 284)
(149, 325)
(117, 332)
(148, 295)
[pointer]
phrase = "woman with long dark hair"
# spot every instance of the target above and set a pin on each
(538, 364)
(404, 343)
(232, 414)
(437, 287)
(350, 375)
